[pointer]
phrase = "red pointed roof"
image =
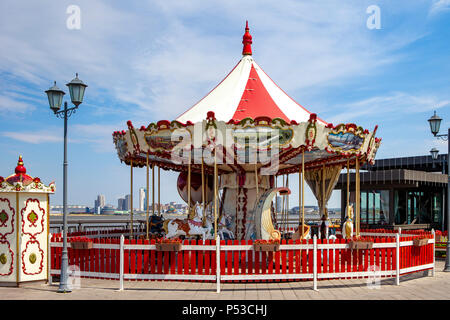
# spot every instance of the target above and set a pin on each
(247, 92)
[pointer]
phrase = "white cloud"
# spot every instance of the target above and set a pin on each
(34, 137)
(165, 56)
(393, 105)
(439, 6)
(10, 103)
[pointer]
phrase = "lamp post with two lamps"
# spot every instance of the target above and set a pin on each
(435, 124)
(55, 96)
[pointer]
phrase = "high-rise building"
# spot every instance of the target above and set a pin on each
(101, 200)
(99, 203)
(128, 203)
(121, 204)
(142, 198)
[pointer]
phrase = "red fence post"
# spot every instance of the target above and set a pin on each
(243, 256)
(214, 265)
(179, 261)
(277, 263)
(236, 259)
(291, 258)
(139, 258)
(283, 260)
(304, 260)
(133, 259)
(222, 258)
(325, 257)
(193, 258)
(200, 257)
(153, 257)
(126, 258)
(383, 256)
(146, 257)
(250, 260)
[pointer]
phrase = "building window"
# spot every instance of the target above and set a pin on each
(375, 207)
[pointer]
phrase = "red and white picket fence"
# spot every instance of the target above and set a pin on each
(236, 261)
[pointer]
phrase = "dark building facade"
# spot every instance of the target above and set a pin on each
(409, 192)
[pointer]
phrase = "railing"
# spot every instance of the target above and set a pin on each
(313, 259)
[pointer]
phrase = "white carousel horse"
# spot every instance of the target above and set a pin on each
(347, 227)
(223, 230)
(189, 227)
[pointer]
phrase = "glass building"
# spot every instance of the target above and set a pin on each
(409, 192)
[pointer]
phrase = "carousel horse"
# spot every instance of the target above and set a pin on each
(347, 227)
(155, 225)
(190, 227)
(224, 232)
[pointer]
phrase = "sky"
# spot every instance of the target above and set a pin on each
(146, 61)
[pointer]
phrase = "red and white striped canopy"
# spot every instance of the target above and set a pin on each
(247, 92)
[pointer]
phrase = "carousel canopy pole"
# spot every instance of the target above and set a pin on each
(131, 198)
(348, 184)
(283, 201)
(303, 192)
(153, 188)
(146, 196)
(215, 195)
(256, 181)
(299, 197)
(276, 198)
(286, 216)
(323, 189)
(203, 194)
(189, 186)
(358, 218)
(159, 191)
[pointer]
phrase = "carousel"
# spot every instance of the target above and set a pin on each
(231, 150)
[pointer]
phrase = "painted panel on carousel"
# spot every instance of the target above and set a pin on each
(167, 140)
(344, 141)
(262, 138)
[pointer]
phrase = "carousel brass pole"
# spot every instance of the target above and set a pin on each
(358, 218)
(276, 197)
(256, 182)
(286, 216)
(299, 197)
(215, 196)
(189, 187)
(303, 192)
(153, 188)
(323, 189)
(131, 198)
(283, 202)
(146, 197)
(348, 184)
(203, 195)
(159, 192)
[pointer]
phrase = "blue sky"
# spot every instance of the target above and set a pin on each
(150, 60)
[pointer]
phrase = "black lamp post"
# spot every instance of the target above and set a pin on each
(434, 153)
(435, 124)
(55, 95)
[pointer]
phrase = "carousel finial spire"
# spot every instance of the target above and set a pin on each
(247, 41)
(20, 169)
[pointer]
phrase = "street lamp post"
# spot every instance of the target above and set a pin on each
(435, 123)
(55, 95)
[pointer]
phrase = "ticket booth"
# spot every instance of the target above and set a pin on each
(24, 227)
